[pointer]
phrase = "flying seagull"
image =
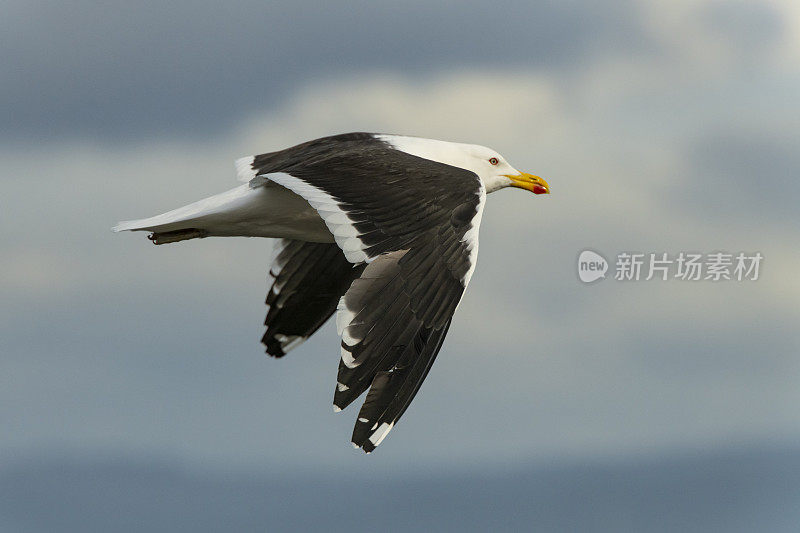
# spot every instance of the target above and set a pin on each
(382, 229)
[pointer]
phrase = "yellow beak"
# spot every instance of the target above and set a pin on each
(529, 182)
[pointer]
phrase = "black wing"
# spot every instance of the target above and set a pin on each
(415, 222)
(308, 280)
(393, 321)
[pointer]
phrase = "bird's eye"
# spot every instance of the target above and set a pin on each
(493, 160)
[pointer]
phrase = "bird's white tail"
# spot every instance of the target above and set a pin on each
(199, 219)
(261, 207)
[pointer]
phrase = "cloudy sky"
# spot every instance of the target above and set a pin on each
(660, 126)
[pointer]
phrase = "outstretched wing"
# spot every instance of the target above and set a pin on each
(415, 223)
(308, 280)
(393, 320)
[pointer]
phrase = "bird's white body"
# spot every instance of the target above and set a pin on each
(271, 210)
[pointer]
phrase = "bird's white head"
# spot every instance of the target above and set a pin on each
(492, 168)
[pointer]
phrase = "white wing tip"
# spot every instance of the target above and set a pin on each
(125, 225)
(289, 342)
(379, 434)
(348, 359)
(244, 168)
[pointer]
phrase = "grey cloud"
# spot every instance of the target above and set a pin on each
(156, 348)
(110, 342)
(125, 70)
(748, 28)
(178, 367)
(745, 173)
(757, 347)
(723, 490)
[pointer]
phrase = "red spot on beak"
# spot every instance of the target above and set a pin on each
(538, 189)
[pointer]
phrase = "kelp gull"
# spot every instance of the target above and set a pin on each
(382, 229)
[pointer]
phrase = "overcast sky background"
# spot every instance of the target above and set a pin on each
(660, 126)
